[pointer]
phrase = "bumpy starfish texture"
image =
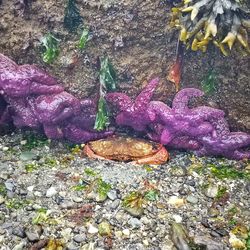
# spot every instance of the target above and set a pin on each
(202, 129)
(134, 113)
(29, 97)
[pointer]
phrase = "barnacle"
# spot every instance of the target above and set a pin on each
(224, 23)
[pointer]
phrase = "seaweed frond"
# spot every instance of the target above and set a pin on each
(72, 16)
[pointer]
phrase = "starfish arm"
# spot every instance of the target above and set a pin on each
(119, 101)
(143, 99)
(182, 98)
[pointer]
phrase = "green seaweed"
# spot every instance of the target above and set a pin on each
(103, 188)
(134, 199)
(30, 167)
(3, 190)
(34, 140)
(221, 192)
(228, 172)
(51, 49)
(83, 39)
(152, 195)
(108, 79)
(108, 76)
(72, 16)
(41, 216)
(90, 172)
(209, 82)
(17, 203)
(102, 116)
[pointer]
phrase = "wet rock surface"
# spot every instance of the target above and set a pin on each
(65, 199)
(137, 38)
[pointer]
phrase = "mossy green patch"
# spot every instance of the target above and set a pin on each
(17, 203)
(228, 172)
(34, 140)
(3, 190)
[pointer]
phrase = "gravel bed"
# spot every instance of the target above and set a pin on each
(53, 197)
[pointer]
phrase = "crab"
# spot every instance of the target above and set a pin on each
(123, 148)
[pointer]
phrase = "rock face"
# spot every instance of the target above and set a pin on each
(137, 38)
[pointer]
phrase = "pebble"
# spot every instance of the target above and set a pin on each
(211, 191)
(177, 218)
(112, 195)
(126, 232)
(19, 231)
(92, 229)
(176, 201)
(79, 238)
(27, 156)
(20, 246)
(192, 199)
(77, 199)
(33, 233)
(51, 192)
(72, 246)
(135, 223)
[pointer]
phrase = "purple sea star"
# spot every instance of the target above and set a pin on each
(32, 98)
(202, 129)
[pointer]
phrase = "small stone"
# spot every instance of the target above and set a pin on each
(5, 149)
(19, 246)
(9, 185)
(72, 246)
(214, 234)
(114, 205)
(77, 199)
(51, 192)
(135, 223)
(112, 195)
(176, 201)
(33, 233)
(92, 229)
(126, 232)
(118, 234)
(177, 218)
(30, 188)
(67, 204)
(104, 229)
(210, 244)
(66, 234)
(145, 242)
(23, 142)
(211, 191)
(27, 156)
(19, 231)
(134, 211)
(192, 199)
(79, 238)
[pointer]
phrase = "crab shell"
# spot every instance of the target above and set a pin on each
(122, 148)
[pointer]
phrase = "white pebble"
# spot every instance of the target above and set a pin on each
(92, 229)
(30, 188)
(126, 232)
(51, 192)
(5, 148)
(23, 142)
(177, 218)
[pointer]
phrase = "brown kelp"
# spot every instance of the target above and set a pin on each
(223, 23)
